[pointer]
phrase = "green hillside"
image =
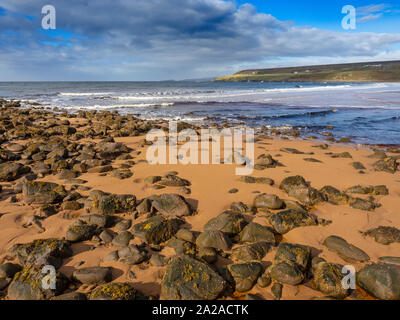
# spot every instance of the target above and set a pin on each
(387, 71)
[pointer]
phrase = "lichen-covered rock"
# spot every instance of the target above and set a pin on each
(248, 252)
(173, 181)
(42, 252)
(328, 279)
(268, 201)
(156, 229)
(255, 232)
(362, 204)
(335, 196)
(245, 275)
(229, 222)
(80, 231)
(298, 188)
(389, 165)
(373, 190)
(286, 273)
(28, 285)
(170, 205)
(213, 239)
(190, 279)
(182, 247)
(384, 235)
(10, 171)
(258, 180)
(345, 250)
(114, 291)
(380, 280)
(110, 204)
(294, 254)
(38, 192)
(287, 220)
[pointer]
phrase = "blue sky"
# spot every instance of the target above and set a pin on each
(181, 39)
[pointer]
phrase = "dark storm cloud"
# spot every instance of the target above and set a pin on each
(154, 39)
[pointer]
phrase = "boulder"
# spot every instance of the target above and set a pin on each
(245, 275)
(345, 250)
(213, 239)
(190, 279)
(255, 232)
(384, 235)
(156, 229)
(328, 279)
(170, 205)
(10, 171)
(298, 188)
(229, 222)
(287, 220)
(93, 275)
(249, 252)
(114, 291)
(38, 192)
(380, 280)
(268, 201)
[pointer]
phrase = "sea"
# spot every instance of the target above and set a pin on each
(366, 113)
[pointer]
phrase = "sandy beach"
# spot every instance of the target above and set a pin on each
(71, 142)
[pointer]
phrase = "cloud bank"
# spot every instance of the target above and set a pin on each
(158, 39)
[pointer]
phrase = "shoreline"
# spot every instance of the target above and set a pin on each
(87, 151)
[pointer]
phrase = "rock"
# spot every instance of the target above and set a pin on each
(373, 190)
(112, 256)
(42, 252)
(285, 221)
(384, 235)
(156, 229)
(380, 280)
(144, 207)
(213, 239)
(358, 166)
(361, 204)
(255, 232)
(70, 205)
(71, 296)
(78, 232)
(100, 221)
(239, 207)
(122, 174)
(334, 196)
(170, 205)
(158, 260)
(313, 160)
(392, 260)
(106, 236)
(264, 280)
(10, 171)
(122, 239)
(209, 255)
(132, 254)
(294, 254)
(245, 275)
(123, 225)
(8, 270)
(234, 190)
(228, 222)
(291, 150)
(28, 285)
(114, 291)
(345, 250)
(265, 161)
(389, 165)
(190, 279)
(111, 204)
(173, 181)
(345, 155)
(258, 180)
(100, 169)
(67, 174)
(186, 235)
(248, 252)
(93, 275)
(286, 273)
(268, 201)
(37, 192)
(298, 188)
(277, 290)
(328, 279)
(152, 179)
(294, 205)
(182, 247)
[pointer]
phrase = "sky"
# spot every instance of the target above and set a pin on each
(152, 40)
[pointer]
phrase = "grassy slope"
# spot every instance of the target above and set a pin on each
(388, 71)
